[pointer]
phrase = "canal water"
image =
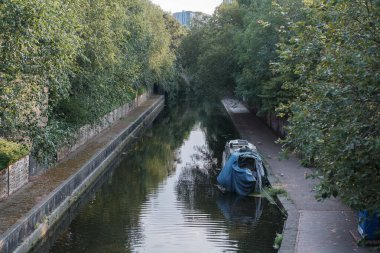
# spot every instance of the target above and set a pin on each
(162, 195)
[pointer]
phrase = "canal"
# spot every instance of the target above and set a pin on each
(161, 195)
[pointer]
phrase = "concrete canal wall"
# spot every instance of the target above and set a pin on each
(35, 225)
(277, 124)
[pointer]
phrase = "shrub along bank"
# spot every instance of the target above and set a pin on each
(11, 152)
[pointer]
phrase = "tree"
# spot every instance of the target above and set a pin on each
(206, 52)
(335, 114)
(66, 63)
(39, 44)
(314, 62)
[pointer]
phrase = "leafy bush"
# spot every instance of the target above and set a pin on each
(48, 141)
(71, 111)
(277, 241)
(11, 152)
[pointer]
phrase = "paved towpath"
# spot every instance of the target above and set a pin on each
(13, 209)
(312, 226)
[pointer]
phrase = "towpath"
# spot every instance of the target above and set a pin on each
(312, 226)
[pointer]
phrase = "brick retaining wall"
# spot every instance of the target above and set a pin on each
(4, 192)
(270, 119)
(18, 174)
(14, 177)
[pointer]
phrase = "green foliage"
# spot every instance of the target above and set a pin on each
(255, 49)
(206, 52)
(275, 191)
(233, 50)
(67, 63)
(72, 112)
(11, 152)
(39, 44)
(314, 63)
(278, 241)
(49, 139)
(335, 117)
(125, 51)
(265, 25)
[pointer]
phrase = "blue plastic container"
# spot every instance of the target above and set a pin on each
(369, 225)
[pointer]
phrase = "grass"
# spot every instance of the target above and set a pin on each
(270, 193)
(277, 241)
(275, 191)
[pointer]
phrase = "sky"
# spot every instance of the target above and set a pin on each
(205, 6)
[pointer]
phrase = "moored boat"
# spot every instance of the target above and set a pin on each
(243, 171)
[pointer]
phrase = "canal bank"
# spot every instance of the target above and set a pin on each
(162, 195)
(32, 211)
(311, 226)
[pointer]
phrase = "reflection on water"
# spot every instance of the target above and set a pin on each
(162, 197)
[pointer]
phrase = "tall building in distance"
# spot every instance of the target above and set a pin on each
(184, 17)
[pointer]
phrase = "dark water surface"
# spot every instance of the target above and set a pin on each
(161, 197)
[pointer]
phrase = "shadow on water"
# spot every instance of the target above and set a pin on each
(161, 196)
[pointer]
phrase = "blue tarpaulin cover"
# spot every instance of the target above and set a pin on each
(236, 179)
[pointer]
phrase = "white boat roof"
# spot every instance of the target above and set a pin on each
(237, 144)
